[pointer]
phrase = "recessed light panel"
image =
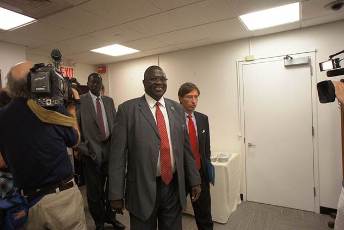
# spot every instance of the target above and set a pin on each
(272, 17)
(10, 19)
(115, 50)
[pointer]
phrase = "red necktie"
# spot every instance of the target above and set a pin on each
(165, 158)
(100, 119)
(194, 142)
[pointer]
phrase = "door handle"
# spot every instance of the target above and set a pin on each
(249, 144)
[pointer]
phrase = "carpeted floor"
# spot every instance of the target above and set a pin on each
(249, 216)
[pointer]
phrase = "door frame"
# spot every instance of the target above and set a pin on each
(241, 116)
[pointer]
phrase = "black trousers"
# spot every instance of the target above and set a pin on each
(167, 213)
(97, 186)
(202, 207)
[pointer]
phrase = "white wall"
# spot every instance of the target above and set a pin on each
(9, 55)
(213, 69)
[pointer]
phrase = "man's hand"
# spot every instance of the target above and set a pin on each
(117, 205)
(76, 154)
(339, 86)
(75, 94)
(195, 192)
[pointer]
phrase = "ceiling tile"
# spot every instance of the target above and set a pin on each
(78, 21)
(117, 34)
(36, 34)
(216, 32)
(324, 19)
(192, 15)
(315, 8)
(120, 11)
(168, 4)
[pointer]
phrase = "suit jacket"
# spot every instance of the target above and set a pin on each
(134, 155)
(91, 143)
(204, 144)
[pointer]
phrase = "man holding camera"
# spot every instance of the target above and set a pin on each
(339, 223)
(36, 155)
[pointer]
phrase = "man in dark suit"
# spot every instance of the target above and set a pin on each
(198, 129)
(96, 117)
(151, 158)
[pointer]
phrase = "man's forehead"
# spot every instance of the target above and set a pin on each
(96, 78)
(157, 72)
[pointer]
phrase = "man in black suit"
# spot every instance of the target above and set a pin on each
(198, 129)
(96, 117)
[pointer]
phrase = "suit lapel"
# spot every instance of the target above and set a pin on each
(200, 135)
(147, 114)
(91, 108)
(199, 125)
(201, 138)
(171, 117)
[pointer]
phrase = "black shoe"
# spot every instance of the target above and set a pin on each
(116, 224)
(330, 224)
(100, 227)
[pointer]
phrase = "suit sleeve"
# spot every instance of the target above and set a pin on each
(114, 110)
(82, 147)
(117, 157)
(207, 140)
(192, 176)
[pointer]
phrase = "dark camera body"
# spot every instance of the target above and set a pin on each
(48, 87)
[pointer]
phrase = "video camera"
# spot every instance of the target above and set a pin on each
(326, 90)
(46, 84)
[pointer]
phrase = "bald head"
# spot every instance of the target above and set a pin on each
(17, 79)
(21, 70)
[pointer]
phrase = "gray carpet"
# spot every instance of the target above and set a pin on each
(249, 216)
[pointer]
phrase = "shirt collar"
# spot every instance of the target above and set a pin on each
(192, 115)
(94, 97)
(151, 101)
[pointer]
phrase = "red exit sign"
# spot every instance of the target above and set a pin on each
(67, 71)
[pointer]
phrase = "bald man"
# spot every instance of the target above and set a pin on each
(37, 156)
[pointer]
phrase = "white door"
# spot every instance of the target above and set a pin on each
(278, 134)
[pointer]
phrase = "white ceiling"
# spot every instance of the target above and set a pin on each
(152, 26)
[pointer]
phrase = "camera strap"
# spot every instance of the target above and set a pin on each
(49, 116)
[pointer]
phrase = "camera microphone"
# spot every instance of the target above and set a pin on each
(56, 55)
(335, 72)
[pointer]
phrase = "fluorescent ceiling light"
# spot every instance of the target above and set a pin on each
(10, 20)
(272, 17)
(115, 50)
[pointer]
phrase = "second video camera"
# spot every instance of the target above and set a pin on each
(47, 85)
(326, 90)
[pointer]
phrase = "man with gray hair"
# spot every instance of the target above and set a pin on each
(37, 156)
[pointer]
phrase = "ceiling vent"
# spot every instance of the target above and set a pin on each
(335, 5)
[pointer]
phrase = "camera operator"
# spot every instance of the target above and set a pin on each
(339, 223)
(36, 155)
